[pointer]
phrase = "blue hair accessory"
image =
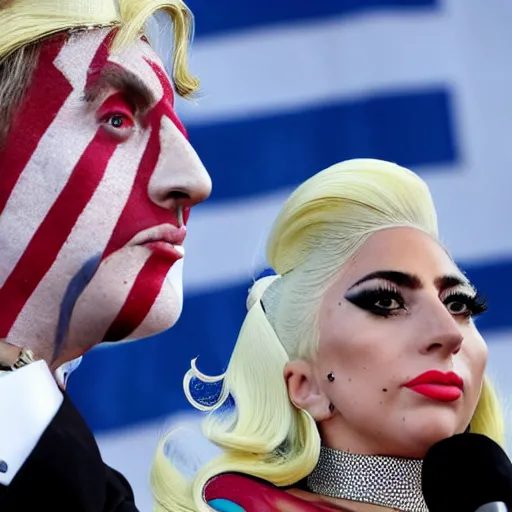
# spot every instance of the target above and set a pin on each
(267, 272)
(203, 392)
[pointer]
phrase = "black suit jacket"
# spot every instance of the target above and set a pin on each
(65, 473)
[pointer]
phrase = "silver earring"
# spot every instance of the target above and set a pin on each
(330, 377)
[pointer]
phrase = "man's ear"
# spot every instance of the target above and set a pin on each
(304, 390)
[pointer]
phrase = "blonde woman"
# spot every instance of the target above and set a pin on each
(351, 362)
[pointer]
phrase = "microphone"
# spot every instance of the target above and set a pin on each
(467, 473)
(495, 506)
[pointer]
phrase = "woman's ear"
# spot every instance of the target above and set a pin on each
(304, 390)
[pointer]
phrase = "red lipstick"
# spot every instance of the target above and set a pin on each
(443, 387)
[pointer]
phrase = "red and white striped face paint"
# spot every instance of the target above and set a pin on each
(94, 176)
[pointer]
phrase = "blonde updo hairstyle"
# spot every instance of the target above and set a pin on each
(321, 226)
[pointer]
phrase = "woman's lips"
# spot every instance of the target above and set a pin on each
(436, 385)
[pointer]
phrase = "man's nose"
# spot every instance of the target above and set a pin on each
(179, 177)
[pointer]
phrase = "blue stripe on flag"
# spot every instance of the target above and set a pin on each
(228, 15)
(141, 381)
(258, 155)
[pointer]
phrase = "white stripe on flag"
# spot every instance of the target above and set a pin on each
(233, 233)
(271, 70)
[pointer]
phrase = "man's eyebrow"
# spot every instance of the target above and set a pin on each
(120, 79)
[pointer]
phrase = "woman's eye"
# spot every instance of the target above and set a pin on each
(460, 304)
(456, 307)
(387, 303)
(379, 302)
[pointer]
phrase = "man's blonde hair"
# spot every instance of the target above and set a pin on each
(25, 23)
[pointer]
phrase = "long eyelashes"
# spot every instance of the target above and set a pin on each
(472, 305)
(383, 301)
(387, 301)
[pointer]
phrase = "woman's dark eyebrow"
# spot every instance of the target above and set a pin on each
(452, 281)
(117, 78)
(412, 281)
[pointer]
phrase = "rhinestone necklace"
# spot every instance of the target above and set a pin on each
(387, 481)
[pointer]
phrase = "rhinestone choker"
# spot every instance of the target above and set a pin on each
(387, 481)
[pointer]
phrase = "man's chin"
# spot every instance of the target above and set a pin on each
(163, 316)
(152, 330)
(108, 312)
(165, 311)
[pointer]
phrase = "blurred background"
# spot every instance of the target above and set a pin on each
(290, 87)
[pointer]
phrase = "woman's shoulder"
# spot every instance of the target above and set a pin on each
(233, 492)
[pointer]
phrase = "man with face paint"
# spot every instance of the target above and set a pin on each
(97, 179)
